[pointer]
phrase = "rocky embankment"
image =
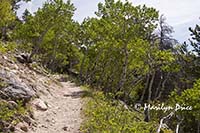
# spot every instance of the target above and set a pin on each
(50, 106)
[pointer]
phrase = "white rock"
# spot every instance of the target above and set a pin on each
(16, 67)
(4, 57)
(40, 105)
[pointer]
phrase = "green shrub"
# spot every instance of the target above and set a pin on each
(105, 115)
(189, 97)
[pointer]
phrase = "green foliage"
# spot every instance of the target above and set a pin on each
(7, 47)
(6, 13)
(6, 114)
(109, 116)
(2, 83)
(16, 4)
(50, 35)
(189, 97)
(11, 114)
(2, 49)
(7, 18)
(117, 52)
(166, 59)
(117, 45)
(195, 43)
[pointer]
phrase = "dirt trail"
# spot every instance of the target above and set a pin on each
(64, 110)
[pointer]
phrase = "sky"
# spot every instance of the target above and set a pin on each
(180, 14)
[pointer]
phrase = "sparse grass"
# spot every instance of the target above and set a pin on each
(7, 112)
(11, 114)
(87, 92)
(2, 83)
(2, 49)
(5, 47)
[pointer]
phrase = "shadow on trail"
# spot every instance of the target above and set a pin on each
(79, 94)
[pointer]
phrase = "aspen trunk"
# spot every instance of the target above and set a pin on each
(150, 86)
(124, 69)
(145, 89)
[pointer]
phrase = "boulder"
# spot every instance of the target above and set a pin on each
(40, 105)
(18, 92)
(14, 88)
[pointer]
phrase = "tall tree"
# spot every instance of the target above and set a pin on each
(16, 4)
(165, 38)
(118, 46)
(51, 22)
(6, 17)
(195, 42)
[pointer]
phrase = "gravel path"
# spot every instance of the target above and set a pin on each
(64, 110)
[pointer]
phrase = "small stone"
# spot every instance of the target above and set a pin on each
(53, 121)
(23, 126)
(4, 57)
(65, 128)
(12, 128)
(47, 120)
(44, 126)
(15, 66)
(54, 112)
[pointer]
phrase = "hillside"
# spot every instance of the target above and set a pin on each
(137, 78)
(54, 105)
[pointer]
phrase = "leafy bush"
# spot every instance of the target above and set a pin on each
(106, 115)
(189, 97)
